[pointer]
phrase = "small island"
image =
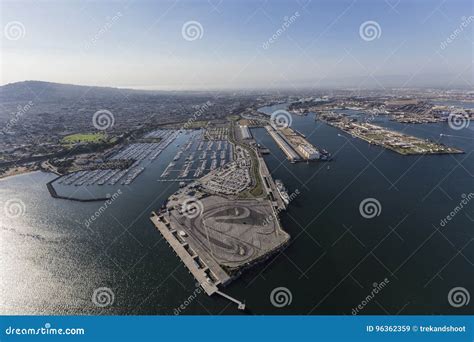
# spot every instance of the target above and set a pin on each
(392, 140)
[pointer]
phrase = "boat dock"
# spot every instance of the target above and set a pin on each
(283, 144)
(295, 145)
(203, 274)
(270, 186)
(240, 305)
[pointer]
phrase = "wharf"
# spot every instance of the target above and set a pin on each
(270, 186)
(283, 144)
(196, 266)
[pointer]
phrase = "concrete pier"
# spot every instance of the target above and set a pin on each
(240, 305)
(283, 144)
(269, 185)
(196, 266)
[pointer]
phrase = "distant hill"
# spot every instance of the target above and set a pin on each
(48, 91)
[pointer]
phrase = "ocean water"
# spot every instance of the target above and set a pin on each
(51, 262)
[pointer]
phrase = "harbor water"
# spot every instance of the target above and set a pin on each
(52, 260)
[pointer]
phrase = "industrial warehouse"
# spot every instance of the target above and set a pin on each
(295, 146)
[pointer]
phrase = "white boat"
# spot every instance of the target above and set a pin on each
(282, 191)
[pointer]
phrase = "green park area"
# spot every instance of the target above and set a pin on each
(86, 138)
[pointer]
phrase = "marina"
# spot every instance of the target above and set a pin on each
(229, 233)
(323, 188)
(198, 156)
(185, 171)
(136, 155)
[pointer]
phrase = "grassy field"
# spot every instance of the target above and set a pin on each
(89, 138)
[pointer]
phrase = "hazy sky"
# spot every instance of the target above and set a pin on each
(141, 43)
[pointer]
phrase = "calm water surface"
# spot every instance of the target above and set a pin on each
(50, 262)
